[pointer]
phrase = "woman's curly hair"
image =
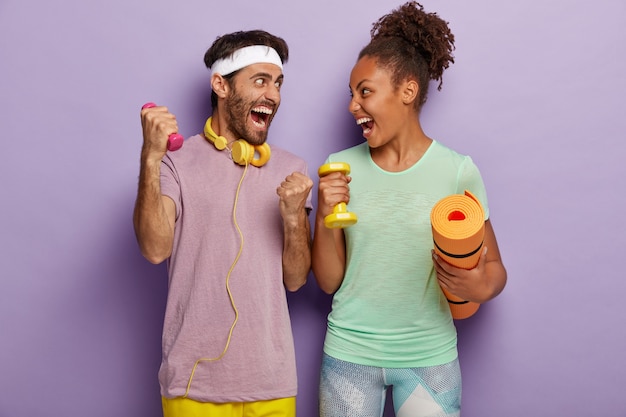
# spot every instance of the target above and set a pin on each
(412, 44)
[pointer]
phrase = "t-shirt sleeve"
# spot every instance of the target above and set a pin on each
(170, 185)
(471, 180)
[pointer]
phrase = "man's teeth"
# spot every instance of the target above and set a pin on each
(263, 110)
(262, 121)
(363, 120)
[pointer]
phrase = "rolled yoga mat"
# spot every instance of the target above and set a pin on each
(458, 224)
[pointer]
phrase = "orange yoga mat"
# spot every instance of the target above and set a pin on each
(458, 224)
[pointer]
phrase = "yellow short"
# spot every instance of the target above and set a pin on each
(184, 407)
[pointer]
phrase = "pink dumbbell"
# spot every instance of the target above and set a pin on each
(174, 141)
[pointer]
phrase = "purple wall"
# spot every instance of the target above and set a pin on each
(536, 97)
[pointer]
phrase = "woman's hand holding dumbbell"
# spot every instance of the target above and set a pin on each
(334, 191)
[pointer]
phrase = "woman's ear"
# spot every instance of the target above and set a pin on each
(410, 89)
(219, 85)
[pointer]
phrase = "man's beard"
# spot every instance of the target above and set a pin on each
(237, 112)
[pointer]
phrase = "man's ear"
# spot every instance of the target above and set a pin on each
(410, 90)
(219, 85)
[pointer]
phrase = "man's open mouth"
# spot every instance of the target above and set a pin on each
(261, 115)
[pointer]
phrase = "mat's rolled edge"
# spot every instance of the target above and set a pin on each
(459, 308)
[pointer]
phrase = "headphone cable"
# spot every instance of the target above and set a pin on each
(230, 295)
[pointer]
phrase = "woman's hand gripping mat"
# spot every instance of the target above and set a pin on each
(458, 225)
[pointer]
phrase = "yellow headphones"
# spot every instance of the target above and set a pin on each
(242, 152)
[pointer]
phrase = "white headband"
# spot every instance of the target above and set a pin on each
(255, 54)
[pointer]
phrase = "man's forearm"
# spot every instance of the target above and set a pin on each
(152, 227)
(296, 252)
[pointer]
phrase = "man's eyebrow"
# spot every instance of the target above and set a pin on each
(266, 75)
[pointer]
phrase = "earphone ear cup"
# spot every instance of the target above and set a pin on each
(264, 155)
(242, 152)
(219, 141)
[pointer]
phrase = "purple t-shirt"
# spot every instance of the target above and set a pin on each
(260, 361)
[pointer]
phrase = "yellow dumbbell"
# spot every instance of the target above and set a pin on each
(340, 217)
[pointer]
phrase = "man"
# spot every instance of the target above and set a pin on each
(234, 230)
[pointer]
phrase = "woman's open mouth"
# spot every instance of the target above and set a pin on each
(366, 124)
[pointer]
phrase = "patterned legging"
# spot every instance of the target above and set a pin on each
(351, 390)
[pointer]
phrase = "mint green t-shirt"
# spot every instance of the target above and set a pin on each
(390, 311)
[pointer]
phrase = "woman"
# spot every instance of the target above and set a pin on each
(390, 323)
